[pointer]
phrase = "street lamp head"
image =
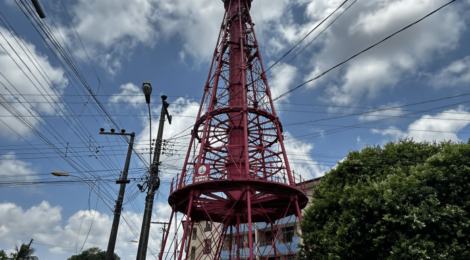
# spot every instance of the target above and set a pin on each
(101, 130)
(164, 97)
(57, 173)
(147, 89)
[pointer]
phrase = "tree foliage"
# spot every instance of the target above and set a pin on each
(406, 200)
(93, 253)
(24, 252)
(3, 255)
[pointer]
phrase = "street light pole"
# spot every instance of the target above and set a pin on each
(163, 236)
(153, 183)
(123, 181)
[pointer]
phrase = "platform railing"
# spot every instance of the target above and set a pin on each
(280, 177)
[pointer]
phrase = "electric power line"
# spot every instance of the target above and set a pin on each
(363, 51)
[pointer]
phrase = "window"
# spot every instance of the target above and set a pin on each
(208, 226)
(266, 239)
(194, 233)
(193, 253)
(287, 234)
(226, 244)
(207, 246)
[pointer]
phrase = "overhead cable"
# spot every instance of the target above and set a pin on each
(363, 51)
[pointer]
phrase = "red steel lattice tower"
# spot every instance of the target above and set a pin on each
(236, 178)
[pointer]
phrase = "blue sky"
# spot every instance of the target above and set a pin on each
(396, 90)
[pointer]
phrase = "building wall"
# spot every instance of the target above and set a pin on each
(310, 185)
(200, 240)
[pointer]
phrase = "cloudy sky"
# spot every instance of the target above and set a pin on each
(81, 68)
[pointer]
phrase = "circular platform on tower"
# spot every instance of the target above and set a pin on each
(217, 199)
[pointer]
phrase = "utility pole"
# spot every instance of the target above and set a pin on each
(164, 232)
(123, 181)
(153, 183)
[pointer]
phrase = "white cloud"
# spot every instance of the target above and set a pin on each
(130, 94)
(15, 170)
(44, 223)
(128, 20)
(383, 66)
(441, 127)
(456, 74)
(393, 131)
(278, 22)
(300, 161)
(10, 2)
(196, 22)
(17, 79)
(271, 33)
(110, 30)
(16, 222)
(384, 111)
(366, 23)
(276, 9)
(283, 82)
(144, 22)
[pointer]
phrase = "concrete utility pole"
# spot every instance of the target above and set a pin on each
(153, 183)
(164, 232)
(123, 181)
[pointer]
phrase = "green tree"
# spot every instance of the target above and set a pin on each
(93, 253)
(3, 255)
(406, 200)
(24, 252)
